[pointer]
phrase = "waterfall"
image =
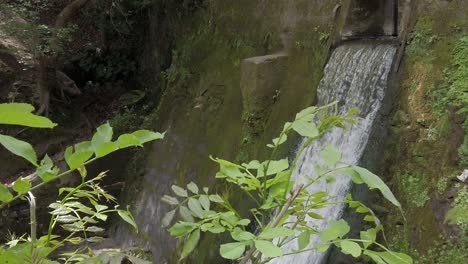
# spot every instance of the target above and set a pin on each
(355, 76)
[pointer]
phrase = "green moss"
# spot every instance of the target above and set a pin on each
(446, 253)
(415, 190)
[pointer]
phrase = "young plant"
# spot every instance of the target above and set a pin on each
(81, 210)
(281, 208)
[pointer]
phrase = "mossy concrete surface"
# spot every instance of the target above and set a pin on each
(204, 111)
(422, 152)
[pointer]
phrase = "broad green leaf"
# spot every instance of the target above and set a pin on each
(305, 129)
(355, 177)
(185, 214)
(179, 191)
(21, 114)
(275, 232)
(370, 235)
(232, 250)
(83, 146)
(77, 159)
(5, 194)
(216, 198)
(205, 189)
(47, 171)
(330, 155)
(351, 248)
(388, 257)
(145, 136)
(268, 249)
(181, 229)
(102, 135)
(314, 215)
(195, 207)
(127, 140)
(205, 202)
(303, 240)
(336, 229)
(322, 247)
(240, 235)
(22, 186)
(19, 148)
(190, 244)
(167, 219)
(307, 114)
(127, 217)
(374, 181)
(375, 257)
(106, 148)
(100, 207)
(193, 187)
(170, 200)
(274, 167)
(278, 141)
(362, 209)
(243, 222)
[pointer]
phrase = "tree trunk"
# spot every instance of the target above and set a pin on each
(47, 64)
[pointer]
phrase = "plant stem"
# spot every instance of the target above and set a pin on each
(275, 221)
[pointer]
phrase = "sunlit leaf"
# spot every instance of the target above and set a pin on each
(336, 229)
(21, 114)
(268, 249)
(5, 194)
(22, 185)
(232, 250)
(190, 244)
(19, 148)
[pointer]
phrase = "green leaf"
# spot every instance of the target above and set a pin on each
(268, 249)
(22, 185)
(374, 181)
(106, 148)
(145, 136)
(275, 232)
(5, 194)
(278, 141)
(243, 222)
(232, 250)
(274, 167)
(336, 229)
(127, 140)
(127, 217)
(47, 171)
(193, 187)
(205, 202)
(240, 235)
(195, 207)
(303, 239)
(77, 159)
(170, 200)
(102, 135)
(21, 114)
(307, 114)
(305, 129)
(388, 257)
(190, 244)
(167, 219)
(181, 229)
(322, 247)
(216, 198)
(330, 155)
(351, 248)
(179, 191)
(19, 148)
(185, 214)
(370, 235)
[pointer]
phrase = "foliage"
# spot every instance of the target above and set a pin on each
(422, 38)
(282, 209)
(80, 211)
(415, 188)
(102, 67)
(447, 253)
(458, 214)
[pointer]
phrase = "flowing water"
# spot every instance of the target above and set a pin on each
(355, 76)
